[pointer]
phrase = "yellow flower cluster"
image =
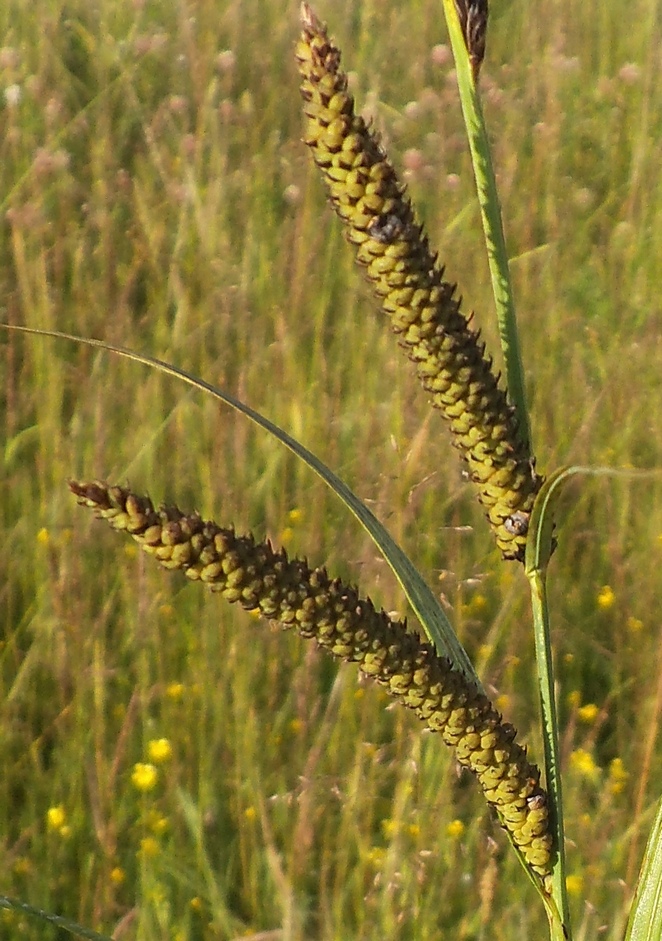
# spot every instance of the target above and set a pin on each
(144, 776)
(56, 821)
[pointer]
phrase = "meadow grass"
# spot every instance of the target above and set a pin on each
(155, 193)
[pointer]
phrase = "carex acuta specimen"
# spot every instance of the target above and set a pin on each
(424, 313)
(293, 595)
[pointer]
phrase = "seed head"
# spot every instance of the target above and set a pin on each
(422, 308)
(290, 593)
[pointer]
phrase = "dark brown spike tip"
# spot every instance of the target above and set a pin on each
(309, 19)
(92, 491)
(473, 15)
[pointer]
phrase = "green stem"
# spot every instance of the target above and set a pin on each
(490, 211)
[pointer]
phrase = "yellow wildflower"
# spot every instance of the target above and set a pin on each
(149, 848)
(175, 691)
(159, 750)
(584, 764)
(55, 817)
(606, 598)
(618, 775)
(574, 885)
(455, 829)
(588, 713)
(144, 776)
(287, 535)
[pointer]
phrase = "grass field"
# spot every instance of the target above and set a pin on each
(173, 768)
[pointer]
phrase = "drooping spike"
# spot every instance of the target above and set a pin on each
(290, 593)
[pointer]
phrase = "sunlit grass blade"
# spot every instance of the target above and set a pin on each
(423, 602)
(491, 218)
(541, 530)
(645, 921)
(57, 920)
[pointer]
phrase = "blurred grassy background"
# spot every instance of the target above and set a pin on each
(154, 193)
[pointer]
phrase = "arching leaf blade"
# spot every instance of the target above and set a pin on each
(425, 605)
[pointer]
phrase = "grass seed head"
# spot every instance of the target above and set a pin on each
(289, 592)
(424, 313)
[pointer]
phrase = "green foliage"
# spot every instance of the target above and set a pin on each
(155, 193)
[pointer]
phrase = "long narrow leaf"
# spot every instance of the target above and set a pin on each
(541, 525)
(423, 602)
(645, 921)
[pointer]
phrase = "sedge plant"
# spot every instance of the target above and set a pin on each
(488, 424)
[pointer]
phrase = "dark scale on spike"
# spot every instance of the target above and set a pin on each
(386, 228)
(473, 16)
(517, 523)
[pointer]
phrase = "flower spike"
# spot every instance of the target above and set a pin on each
(424, 313)
(290, 593)
(473, 23)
